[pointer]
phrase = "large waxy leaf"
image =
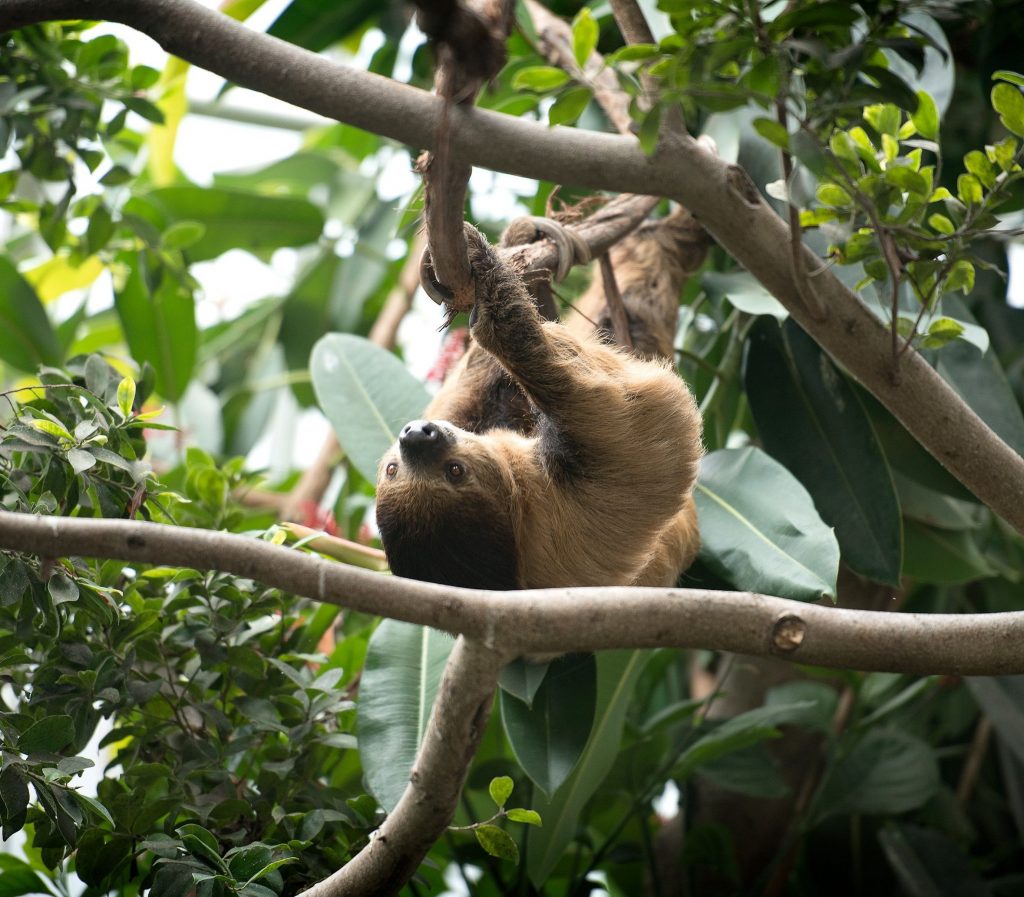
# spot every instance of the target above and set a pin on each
(945, 556)
(888, 771)
(617, 672)
(759, 529)
(231, 219)
(367, 395)
(27, 339)
(403, 668)
(810, 419)
(160, 328)
(548, 736)
(316, 25)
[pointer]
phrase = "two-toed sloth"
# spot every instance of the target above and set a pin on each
(586, 482)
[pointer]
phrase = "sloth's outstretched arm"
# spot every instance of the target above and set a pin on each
(544, 359)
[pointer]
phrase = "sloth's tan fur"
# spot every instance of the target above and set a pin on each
(582, 475)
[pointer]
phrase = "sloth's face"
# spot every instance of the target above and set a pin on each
(444, 508)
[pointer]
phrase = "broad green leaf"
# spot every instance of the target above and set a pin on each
(941, 224)
(539, 78)
(887, 771)
(617, 672)
(810, 419)
(968, 189)
(940, 332)
(58, 275)
(569, 106)
(926, 863)
(584, 36)
(935, 508)
(497, 842)
(160, 328)
(314, 25)
(126, 396)
(772, 131)
(18, 878)
(527, 817)
(232, 219)
(62, 588)
(548, 737)
(500, 789)
(738, 733)
(1008, 101)
(403, 668)
(367, 395)
(766, 539)
(926, 116)
(50, 734)
(743, 291)
(942, 556)
(650, 129)
(182, 235)
(750, 771)
(522, 679)
(980, 380)
(27, 338)
(1002, 700)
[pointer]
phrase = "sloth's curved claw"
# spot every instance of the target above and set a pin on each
(437, 291)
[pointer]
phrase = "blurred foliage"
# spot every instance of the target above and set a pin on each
(186, 731)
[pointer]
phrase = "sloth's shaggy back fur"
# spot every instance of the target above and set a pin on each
(552, 458)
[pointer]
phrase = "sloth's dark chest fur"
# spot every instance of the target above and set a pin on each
(460, 548)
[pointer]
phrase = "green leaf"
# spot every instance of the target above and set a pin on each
(27, 338)
(1002, 700)
(80, 460)
(633, 53)
(569, 106)
(940, 332)
(887, 771)
(769, 539)
(617, 672)
(743, 291)
(941, 224)
(182, 234)
(50, 734)
(497, 843)
(160, 328)
(926, 862)
(739, 733)
(960, 277)
(926, 116)
(527, 817)
(202, 843)
(367, 395)
(522, 679)
(403, 668)
(1012, 77)
(540, 78)
(810, 419)
(548, 737)
(1008, 101)
(314, 25)
(749, 771)
(650, 129)
(978, 164)
(500, 790)
(51, 428)
(17, 878)
(232, 219)
(584, 36)
(772, 131)
(942, 556)
(968, 189)
(126, 396)
(62, 588)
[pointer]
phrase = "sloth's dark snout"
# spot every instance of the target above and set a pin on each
(422, 439)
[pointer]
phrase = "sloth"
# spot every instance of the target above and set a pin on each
(550, 458)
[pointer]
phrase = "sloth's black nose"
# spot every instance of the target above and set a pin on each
(421, 438)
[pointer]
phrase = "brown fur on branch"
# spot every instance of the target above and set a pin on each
(592, 486)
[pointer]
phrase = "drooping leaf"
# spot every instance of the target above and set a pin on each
(760, 530)
(617, 672)
(160, 328)
(887, 771)
(232, 219)
(548, 737)
(367, 394)
(403, 669)
(27, 338)
(810, 419)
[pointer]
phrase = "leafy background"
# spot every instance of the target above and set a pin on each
(243, 740)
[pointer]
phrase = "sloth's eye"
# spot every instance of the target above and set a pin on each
(391, 470)
(454, 470)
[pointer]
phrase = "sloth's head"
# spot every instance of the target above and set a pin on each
(445, 507)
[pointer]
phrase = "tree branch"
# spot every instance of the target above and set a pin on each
(457, 722)
(721, 196)
(540, 621)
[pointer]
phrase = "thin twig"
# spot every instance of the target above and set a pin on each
(616, 310)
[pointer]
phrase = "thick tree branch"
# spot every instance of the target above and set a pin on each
(558, 620)
(457, 722)
(721, 196)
